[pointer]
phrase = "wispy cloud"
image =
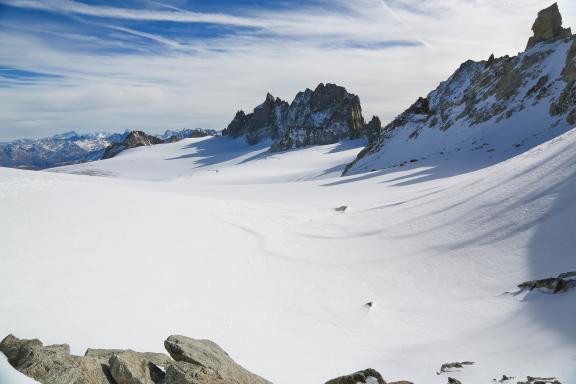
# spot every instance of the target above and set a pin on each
(162, 66)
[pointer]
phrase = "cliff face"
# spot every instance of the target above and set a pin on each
(321, 116)
(266, 122)
(496, 106)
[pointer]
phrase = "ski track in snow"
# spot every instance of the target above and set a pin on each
(254, 257)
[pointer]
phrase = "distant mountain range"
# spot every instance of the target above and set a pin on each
(72, 148)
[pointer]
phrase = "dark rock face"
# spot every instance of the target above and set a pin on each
(562, 283)
(207, 354)
(548, 26)
(266, 122)
(367, 376)
(452, 380)
(373, 129)
(195, 362)
(133, 139)
(325, 115)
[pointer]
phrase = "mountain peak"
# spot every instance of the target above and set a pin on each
(548, 26)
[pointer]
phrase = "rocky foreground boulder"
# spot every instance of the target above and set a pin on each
(192, 362)
(209, 355)
(325, 115)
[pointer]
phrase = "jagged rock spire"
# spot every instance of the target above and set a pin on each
(548, 26)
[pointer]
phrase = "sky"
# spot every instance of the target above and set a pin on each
(95, 65)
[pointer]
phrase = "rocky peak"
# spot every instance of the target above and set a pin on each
(265, 122)
(548, 26)
(324, 115)
(133, 139)
(473, 108)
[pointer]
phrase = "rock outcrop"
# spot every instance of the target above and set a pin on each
(53, 364)
(133, 139)
(265, 122)
(321, 116)
(367, 376)
(174, 136)
(195, 362)
(209, 355)
(548, 26)
(562, 283)
(448, 367)
(485, 105)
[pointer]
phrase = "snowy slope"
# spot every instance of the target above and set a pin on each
(493, 109)
(245, 248)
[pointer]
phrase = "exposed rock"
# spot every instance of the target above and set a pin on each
(207, 354)
(401, 382)
(341, 208)
(185, 373)
(175, 136)
(138, 368)
(448, 367)
(199, 362)
(325, 115)
(53, 364)
(367, 376)
(133, 139)
(540, 380)
(266, 122)
(452, 380)
(373, 129)
(563, 283)
(479, 95)
(548, 26)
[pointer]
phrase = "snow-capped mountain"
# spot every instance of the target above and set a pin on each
(60, 149)
(71, 147)
(495, 108)
(321, 116)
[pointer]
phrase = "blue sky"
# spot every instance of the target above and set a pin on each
(95, 65)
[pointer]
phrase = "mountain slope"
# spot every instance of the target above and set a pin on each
(498, 108)
(259, 261)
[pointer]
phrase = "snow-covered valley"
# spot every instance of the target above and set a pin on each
(212, 239)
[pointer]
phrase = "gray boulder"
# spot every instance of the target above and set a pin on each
(138, 368)
(548, 26)
(185, 373)
(53, 364)
(207, 354)
(367, 376)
